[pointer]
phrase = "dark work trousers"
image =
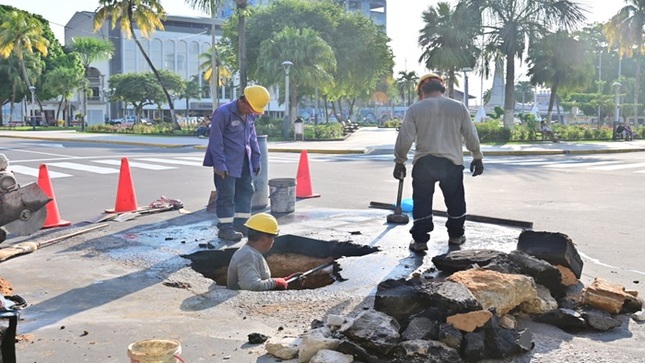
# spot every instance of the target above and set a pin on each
(426, 172)
(234, 195)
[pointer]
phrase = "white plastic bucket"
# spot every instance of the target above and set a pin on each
(155, 351)
(282, 193)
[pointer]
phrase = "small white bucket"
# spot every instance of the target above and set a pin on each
(282, 193)
(155, 351)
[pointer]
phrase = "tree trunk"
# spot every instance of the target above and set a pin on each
(241, 31)
(451, 83)
(637, 88)
(156, 73)
(509, 88)
(549, 112)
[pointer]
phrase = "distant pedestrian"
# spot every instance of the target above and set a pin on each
(234, 154)
(438, 126)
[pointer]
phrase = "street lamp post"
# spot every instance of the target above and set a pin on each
(31, 111)
(287, 117)
(616, 86)
(466, 70)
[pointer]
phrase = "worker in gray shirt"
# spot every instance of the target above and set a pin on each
(248, 270)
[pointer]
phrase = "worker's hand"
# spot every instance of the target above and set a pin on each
(280, 283)
(257, 170)
(221, 173)
(477, 167)
(399, 171)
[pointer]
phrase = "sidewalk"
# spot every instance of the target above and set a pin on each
(366, 140)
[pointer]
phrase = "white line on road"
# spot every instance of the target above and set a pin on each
(20, 169)
(191, 158)
(135, 164)
(578, 165)
(32, 152)
(169, 161)
(618, 167)
(82, 167)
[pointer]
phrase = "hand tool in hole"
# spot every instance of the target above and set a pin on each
(299, 276)
(398, 217)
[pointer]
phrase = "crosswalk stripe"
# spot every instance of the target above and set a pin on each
(578, 165)
(25, 170)
(135, 164)
(618, 167)
(82, 167)
(170, 161)
(191, 158)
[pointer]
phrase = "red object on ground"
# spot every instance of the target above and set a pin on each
(304, 188)
(126, 199)
(53, 216)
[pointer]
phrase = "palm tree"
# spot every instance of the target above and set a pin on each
(223, 73)
(407, 82)
(524, 88)
(625, 31)
(447, 39)
(90, 50)
(64, 80)
(242, 11)
(559, 61)
(512, 24)
(147, 15)
(313, 61)
(21, 34)
(211, 7)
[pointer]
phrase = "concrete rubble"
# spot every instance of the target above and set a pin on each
(472, 310)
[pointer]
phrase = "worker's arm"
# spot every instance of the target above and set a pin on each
(407, 135)
(469, 133)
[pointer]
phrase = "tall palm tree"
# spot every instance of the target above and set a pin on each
(211, 7)
(222, 72)
(447, 39)
(90, 50)
(512, 24)
(21, 34)
(147, 15)
(242, 12)
(313, 61)
(559, 61)
(625, 31)
(524, 89)
(407, 82)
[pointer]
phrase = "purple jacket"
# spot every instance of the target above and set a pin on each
(231, 139)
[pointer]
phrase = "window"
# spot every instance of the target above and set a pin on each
(182, 56)
(155, 52)
(169, 55)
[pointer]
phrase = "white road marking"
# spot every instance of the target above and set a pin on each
(191, 158)
(33, 152)
(135, 164)
(82, 167)
(21, 169)
(59, 146)
(578, 165)
(169, 161)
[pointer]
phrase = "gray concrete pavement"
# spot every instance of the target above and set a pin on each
(366, 140)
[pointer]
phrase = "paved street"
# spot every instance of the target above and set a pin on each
(115, 291)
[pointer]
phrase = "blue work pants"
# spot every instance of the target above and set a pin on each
(234, 197)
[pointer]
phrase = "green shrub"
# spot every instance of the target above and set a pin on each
(394, 123)
(491, 131)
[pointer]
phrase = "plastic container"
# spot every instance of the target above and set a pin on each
(282, 195)
(407, 205)
(155, 351)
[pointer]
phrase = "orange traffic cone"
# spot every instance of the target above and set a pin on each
(304, 189)
(53, 216)
(126, 200)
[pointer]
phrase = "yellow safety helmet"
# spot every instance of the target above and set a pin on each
(263, 222)
(258, 97)
(427, 78)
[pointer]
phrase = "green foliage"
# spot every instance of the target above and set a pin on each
(492, 131)
(329, 131)
(393, 123)
(272, 127)
(499, 112)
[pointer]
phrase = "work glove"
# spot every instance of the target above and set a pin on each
(399, 171)
(477, 167)
(256, 171)
(221, 173)
(280, 283)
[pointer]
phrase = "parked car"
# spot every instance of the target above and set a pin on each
(128, 120)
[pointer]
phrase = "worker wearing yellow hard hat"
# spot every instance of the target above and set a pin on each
(248, 270)
(234, 154)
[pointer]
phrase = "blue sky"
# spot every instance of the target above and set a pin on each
(404, 22)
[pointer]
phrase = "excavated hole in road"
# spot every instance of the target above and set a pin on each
(290, 254)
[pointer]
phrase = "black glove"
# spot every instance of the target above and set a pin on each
(477, 167)
(399, 171)
(256, 171)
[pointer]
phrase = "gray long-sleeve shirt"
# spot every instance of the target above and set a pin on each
(248, 270)
(437, 125)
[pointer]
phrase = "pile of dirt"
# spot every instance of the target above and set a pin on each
(5, 287)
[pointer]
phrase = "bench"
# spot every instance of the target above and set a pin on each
(555, 138)
(13, 124)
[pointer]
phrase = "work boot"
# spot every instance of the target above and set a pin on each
(457, 240)
(229, 234)
(418, 247)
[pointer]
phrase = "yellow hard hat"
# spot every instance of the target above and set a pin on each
(427, 78)
(263, 222)
(258, 97)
